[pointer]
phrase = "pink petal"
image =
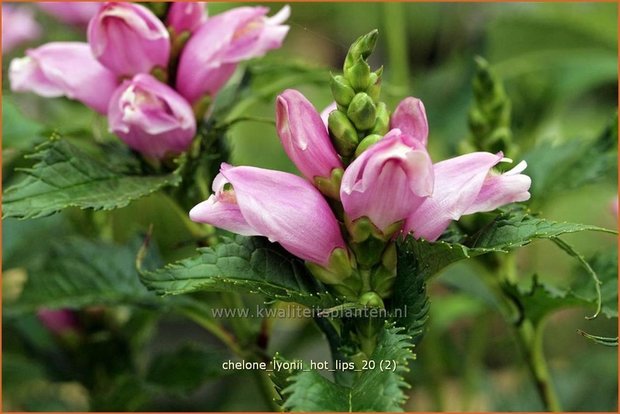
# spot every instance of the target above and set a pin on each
(410, 118)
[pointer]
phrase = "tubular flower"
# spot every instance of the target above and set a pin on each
(151, 117)
(410, 117)
(72, 12)
(186, 16)
(278, 205)
(128, 39)
(214, 50)
(304, 136)
(64, 69)
(387, 180)
(18, 26)
(466, 185)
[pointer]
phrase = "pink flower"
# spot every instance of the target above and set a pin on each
(64, 69)
(410, 118)
(281, 206)
(212, 53)
(58, 321)
(18, 26)
(186, 16)
(151, 117)
(304, 136)
(128, 39)
(72, 12)
(387, 180)
(466, 185)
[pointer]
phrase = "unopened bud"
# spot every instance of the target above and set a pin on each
(361, 48)
(374, 90)
(343, 133)
(330, 186)
(362, 111)
(382, 123)
(367, 142)
(371, 300)
(358, 75)
(338, 273)
(341, 90)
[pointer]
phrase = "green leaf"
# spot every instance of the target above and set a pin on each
(65, 176)
(250, 264)
(185, 369)
(80, 272)
(410, 296)
(572, 164)
(605, 265)
(375, 389)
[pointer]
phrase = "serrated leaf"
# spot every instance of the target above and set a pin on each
(65, 176)
(605, 264)
(250, 264)
(508, 231)
(80, 272)
(374, 389)
(572, 164)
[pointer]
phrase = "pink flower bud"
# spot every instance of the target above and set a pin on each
(410, 118)
(151, 117)
(466, 185)
(304, 136)
(211, 55)
(128, 39)
(64, 69)
(387, 180)
(186, 16)
(58, 321)
(281, 206)
(18, 26)
(73, 12)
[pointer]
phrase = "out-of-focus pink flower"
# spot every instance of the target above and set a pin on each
(18, 26)
(186, 16)
(58, 321)
(466, 185)
(128, 39)
(151, 117)
(64, 69)
(410, 118)
(72, 12)
(281, 206)
(388, 180)
(211, 55)
(304, 136)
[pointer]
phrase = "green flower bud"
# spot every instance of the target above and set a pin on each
(361, 48)
(362, 111)
(358, 75)
(339, 273)
(330, 186)
(367, 142)
(371, 300)
(341, 90)
(367, 241)
(382, 124)
(374, 90)
(343, 133)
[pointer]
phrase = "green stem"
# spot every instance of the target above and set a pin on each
(218, 331)
(396, 38)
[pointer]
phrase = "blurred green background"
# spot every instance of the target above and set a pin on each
(559, 65)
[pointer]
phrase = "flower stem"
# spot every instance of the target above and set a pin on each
(396, 35)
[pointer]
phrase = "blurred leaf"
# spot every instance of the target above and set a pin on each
(185, 370)
(127, 393)
(572, 164)
(606, 267)
(250, 264)
(374, 389)
(80, 272)
(18, 131)
(67, 177)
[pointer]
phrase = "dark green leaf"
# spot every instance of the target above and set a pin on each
(65, 176)
(80, 272)
(250, 264)
(375, 389)
(185, 369)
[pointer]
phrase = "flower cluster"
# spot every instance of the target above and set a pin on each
(342, 219)
(149, 76)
